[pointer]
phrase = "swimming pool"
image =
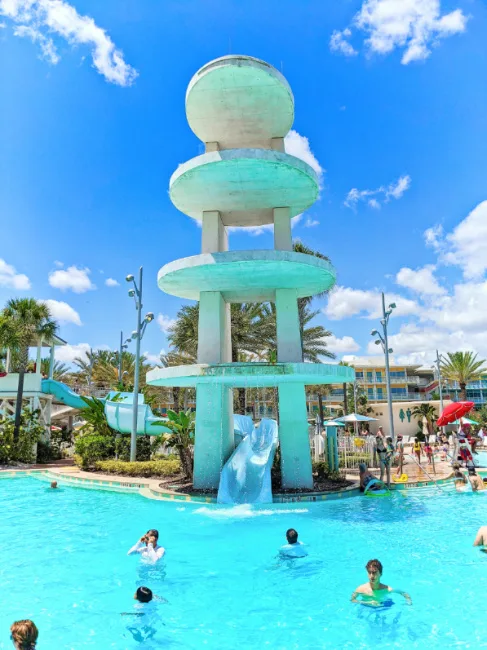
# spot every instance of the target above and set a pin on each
(64, 565)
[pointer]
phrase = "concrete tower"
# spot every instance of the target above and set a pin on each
(242, 108)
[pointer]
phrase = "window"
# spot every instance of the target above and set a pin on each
(370, 392)
(378, 376)
(369, 376)
(397, 374)
(398, 391)
(359, 374)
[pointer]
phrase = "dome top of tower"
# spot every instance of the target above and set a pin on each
(239, 101)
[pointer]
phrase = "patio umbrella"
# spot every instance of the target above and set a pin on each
(464, 421)
(355, 417)
(453, 412)
(332, 423)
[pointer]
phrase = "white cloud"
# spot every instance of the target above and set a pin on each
(344, 302)
(154, 359)
(111, 282)
(339, 43)
(463, 310)
(421, 281)
(433, 237)
(311, 223)
(35, 18)
(412, 25)
(345, 344)
(394, 190)
(298, 145)
(62, 312)
(165, 322)
(58, 264)
(11, 279)
(468, 243)
(72, 278)
(68, 353)
(255, 231)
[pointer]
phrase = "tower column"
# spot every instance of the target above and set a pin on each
(282, 229)
(214, 237)
(296, 469)
(289, 346)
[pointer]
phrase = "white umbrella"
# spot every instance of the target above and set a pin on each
(355, 417)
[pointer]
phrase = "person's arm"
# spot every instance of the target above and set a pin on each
(479, 539)
(155, 554)
(405, 595)
(354, 598)
(136, 548)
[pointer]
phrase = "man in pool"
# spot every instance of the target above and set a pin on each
(365, 477)
(373, 593)
(293, 548)
(475, 480)
(54, 485)
(147, 547)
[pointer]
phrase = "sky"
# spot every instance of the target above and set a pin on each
(390, 110)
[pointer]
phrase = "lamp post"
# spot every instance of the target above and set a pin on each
(137, 335)
(437, 364)
(123, 346)
(383, 341)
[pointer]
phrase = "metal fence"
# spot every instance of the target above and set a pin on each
(351, 450)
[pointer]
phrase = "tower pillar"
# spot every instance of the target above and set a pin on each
(296, 469)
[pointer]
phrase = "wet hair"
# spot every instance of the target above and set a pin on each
(153, 533)
(24, 634)
(362, 467)
(54, 484)
(292, 536)
(143, 595)
(374, 564)
(456, 465)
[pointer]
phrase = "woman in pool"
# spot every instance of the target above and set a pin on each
(24, 635)
(460, 480)
(147, 546)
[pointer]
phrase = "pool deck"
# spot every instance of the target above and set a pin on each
(151, 489)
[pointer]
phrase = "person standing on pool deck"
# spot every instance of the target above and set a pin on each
(24, 635)
(373, 593)
(147, 546)
(293, 548)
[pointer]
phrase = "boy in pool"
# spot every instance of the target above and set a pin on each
(460, 480)
(373, 593)
(293, 548)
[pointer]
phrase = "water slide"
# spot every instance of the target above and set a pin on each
(246, 476)
(118, 413)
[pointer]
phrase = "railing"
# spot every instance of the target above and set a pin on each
(351, 451)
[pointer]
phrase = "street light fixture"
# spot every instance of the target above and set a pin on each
(123, 346)
(437, 363)
(137, 335)
(383, 341)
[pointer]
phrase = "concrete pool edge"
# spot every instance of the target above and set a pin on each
(149, 488)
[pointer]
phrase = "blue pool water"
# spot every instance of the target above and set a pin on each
(64, 565)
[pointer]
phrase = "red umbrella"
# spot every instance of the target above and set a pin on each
(454, 411)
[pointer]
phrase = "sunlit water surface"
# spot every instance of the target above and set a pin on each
(64, 565)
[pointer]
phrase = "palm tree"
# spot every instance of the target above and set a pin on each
(426, 412)
(173, 358)
(60, 370)
(344, 385)
(24, 322)
(463, 367)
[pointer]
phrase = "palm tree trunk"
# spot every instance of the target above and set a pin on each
(24, 358)
(186, 461)
(320, 406)
(345, 399)
(463, 391)
(241, 400)
(176, 392)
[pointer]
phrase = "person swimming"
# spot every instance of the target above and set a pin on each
(24, 634)
(147, 546)
(475, 480)
(374, 593)
(293, 548)
(459, 478)
(54, 485)
(481, 539)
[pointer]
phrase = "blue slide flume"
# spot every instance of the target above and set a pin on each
(119, 413)
(246, 476)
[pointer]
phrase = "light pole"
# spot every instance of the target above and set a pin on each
(136, 294)
(383, 341)
(437, 364)
(123, 346)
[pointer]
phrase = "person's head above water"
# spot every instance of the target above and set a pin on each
(374, 571)
(362, 467)
(24, 634)
(153, 533)
(143, 595)
(292, 536)
(54, 484)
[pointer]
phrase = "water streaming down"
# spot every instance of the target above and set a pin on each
(246, 476)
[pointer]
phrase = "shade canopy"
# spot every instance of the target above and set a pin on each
(453, 412)
(332, 423)
(355, 417)
(465, 421)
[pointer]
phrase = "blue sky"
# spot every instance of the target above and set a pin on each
(390, 104)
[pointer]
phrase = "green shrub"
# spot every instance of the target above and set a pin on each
(91, 448)
(23, 450)
(143, 449)
(47, 452)
(145, 469)
(322, 471)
